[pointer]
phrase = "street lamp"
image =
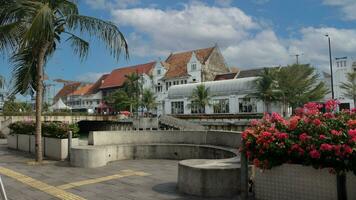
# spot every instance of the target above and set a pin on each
(331, 68)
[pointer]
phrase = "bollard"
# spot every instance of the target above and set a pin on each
(2, 191)
(69, 143)
(244, 173)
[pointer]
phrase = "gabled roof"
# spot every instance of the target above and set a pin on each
(67, 89)
(226, 76)
(95, 87)
(249, 73)
(82, 90)
(117, 77)
(177, 62)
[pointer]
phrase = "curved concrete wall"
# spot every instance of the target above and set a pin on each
(97, 156)
(218, 138)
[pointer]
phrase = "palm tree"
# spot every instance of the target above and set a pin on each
(200, 98)
(2, 82)
(349, 87)
(148, 100)
(30, 32)
(266, 86)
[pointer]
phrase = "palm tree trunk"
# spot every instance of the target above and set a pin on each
(39, 95)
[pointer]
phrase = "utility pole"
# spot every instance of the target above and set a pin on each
(297, 57)
(331, 68)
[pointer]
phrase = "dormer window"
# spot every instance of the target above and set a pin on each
(194, 67)
(158, 72)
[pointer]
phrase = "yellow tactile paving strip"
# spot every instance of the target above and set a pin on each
(51, 190)
(59, 190)
(121, 174)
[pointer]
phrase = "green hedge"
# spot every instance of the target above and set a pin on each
(49, 129)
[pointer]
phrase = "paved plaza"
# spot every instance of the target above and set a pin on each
(129, 179)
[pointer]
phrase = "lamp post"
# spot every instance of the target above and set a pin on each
(331, 68)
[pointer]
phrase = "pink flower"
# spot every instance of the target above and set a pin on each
(331, 104)
(293, 122)
(329, 115)
(352, 132)
(314, 154)
(336, 133)
(282, 136)
(317, 122)
(322, 137)
(326, 147)
(304, 137)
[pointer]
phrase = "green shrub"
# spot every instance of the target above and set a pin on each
(49, 129)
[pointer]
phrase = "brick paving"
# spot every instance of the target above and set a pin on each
(154, 179)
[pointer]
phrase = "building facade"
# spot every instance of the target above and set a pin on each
(234, 96)
(187, 67)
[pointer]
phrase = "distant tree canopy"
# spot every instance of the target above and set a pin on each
(293, 85)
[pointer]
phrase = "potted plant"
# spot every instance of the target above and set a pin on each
(317, 135)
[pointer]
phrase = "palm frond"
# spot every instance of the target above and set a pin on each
(10, 36)
(106, 31)
(79, 45)
(24, 71)
(42, 28)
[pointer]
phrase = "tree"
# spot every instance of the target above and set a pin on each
(200, 98)
(133, 87)
(2, 82)
(30, 32)
(266, 87)
(299, 84)
(148, 100)
(293, 86)
(119, 100)
(349, 86)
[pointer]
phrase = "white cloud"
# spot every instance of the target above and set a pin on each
(89, 77)
(196, 25)
(263, 50)
(314, 44)
(347, 7)
(224, 3)
(244, 41)
(111, 4)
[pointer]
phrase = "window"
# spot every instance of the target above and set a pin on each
(158, 72)
(185, 81)
(194, 80)
(181, 82)
(338, 64)
(344, 63)
(221, 105)
(194, 67)
(247, 105)
(167, 86)
(195, 108)
(177, 107)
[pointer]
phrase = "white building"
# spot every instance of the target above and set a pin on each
(341, 67)
(186, 67)
(233, 96)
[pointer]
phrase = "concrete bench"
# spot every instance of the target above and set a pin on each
(206, 168)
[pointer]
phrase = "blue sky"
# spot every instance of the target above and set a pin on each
(250, 33)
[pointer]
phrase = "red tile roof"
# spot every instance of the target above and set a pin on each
(67, 89)
(226, 76)
(177, 62)
(117, 77)
(82, 90)
(94, 89)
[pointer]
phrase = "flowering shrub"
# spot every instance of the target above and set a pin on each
(310, 137)
(49, 129)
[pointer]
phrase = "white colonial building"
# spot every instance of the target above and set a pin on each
(341, 67)
(234, 96)
(187, 67)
